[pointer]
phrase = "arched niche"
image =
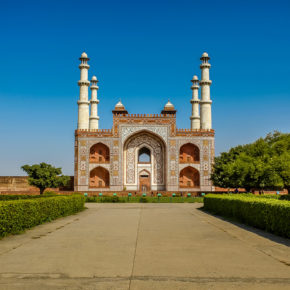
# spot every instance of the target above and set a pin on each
(189, 153)
(144, 155)
(99, 177)
(99, 153)
(157, 148)
(189, 177)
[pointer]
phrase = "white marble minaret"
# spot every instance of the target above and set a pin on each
(94, 118)
(83, 102)
(195, 119)
(205, 101)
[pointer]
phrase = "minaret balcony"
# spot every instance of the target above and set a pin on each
(84, 65)
(205, 82)
(83, 83)
(205, 65)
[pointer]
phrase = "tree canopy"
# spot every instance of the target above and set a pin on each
(45, 176)
(264, 164)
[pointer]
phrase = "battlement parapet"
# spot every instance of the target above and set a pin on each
(195, 132)
(144, 116)
(94, 132)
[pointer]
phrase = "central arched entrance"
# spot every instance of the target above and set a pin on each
(144, 168)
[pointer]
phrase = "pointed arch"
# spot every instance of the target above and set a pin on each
(99, 177)
(189, 177)
(189, 153)
(99, 153)
(144, 155)
(157, 147)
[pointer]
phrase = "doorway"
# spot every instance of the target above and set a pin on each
(144, 181)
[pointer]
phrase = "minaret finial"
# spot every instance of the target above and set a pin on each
(195, 119)
(83, 102)
(94, 118)
(205, 102)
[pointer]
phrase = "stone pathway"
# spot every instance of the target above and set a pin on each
(144, 246)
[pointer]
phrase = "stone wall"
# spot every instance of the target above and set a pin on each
(20, 184)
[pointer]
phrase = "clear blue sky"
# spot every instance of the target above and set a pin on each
(143, 52)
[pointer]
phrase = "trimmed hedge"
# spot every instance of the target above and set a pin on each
(149, 199)
(268, 214)
(284, 197)
(18, 215)
(23, 196)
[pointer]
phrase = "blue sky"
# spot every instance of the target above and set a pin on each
(143, 52)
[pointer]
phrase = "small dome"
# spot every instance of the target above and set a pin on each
(94, 78)
(119, 105)
(205, 54)
(195, 78)
(169, 106)
(84, 55)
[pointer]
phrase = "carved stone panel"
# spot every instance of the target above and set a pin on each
(158, 157)
(161, 131)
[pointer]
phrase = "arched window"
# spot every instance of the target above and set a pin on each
(99, 177)
(144, 155)
(189, 153)
(99, 153)
(189, 177)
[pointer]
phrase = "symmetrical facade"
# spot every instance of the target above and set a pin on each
(144, 152)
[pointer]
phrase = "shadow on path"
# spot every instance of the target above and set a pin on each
(262, 233)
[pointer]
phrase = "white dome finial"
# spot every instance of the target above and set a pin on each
(169, 105)
(84, 55)
(119, 104)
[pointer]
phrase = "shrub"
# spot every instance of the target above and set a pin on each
(143, 199)
(113, 198)
(284, 197)
(91, 199)
(149, 199)
(18, 215)
(268, 214)
(49, 193)
(23, 196)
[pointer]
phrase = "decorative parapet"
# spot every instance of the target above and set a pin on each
(94, 132)
(195, 132)
(144, 116)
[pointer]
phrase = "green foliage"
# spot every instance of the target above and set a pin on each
(49, 193)
(264, 164)
(269, 214)
(45, 176)
(285, 197)
(23, 196)
(18, 215)
(135, 199)
(113, 198)
(143, 199)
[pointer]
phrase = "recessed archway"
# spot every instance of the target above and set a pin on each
(99, 153)
(189, 177)
(148, 143)
(189, 153)
(99, 177)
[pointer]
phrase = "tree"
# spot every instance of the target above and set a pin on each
(45, 176)
(264, 164)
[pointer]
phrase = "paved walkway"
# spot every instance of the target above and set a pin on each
(143, 246)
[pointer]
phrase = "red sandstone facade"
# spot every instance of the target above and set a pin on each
(179, 159)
